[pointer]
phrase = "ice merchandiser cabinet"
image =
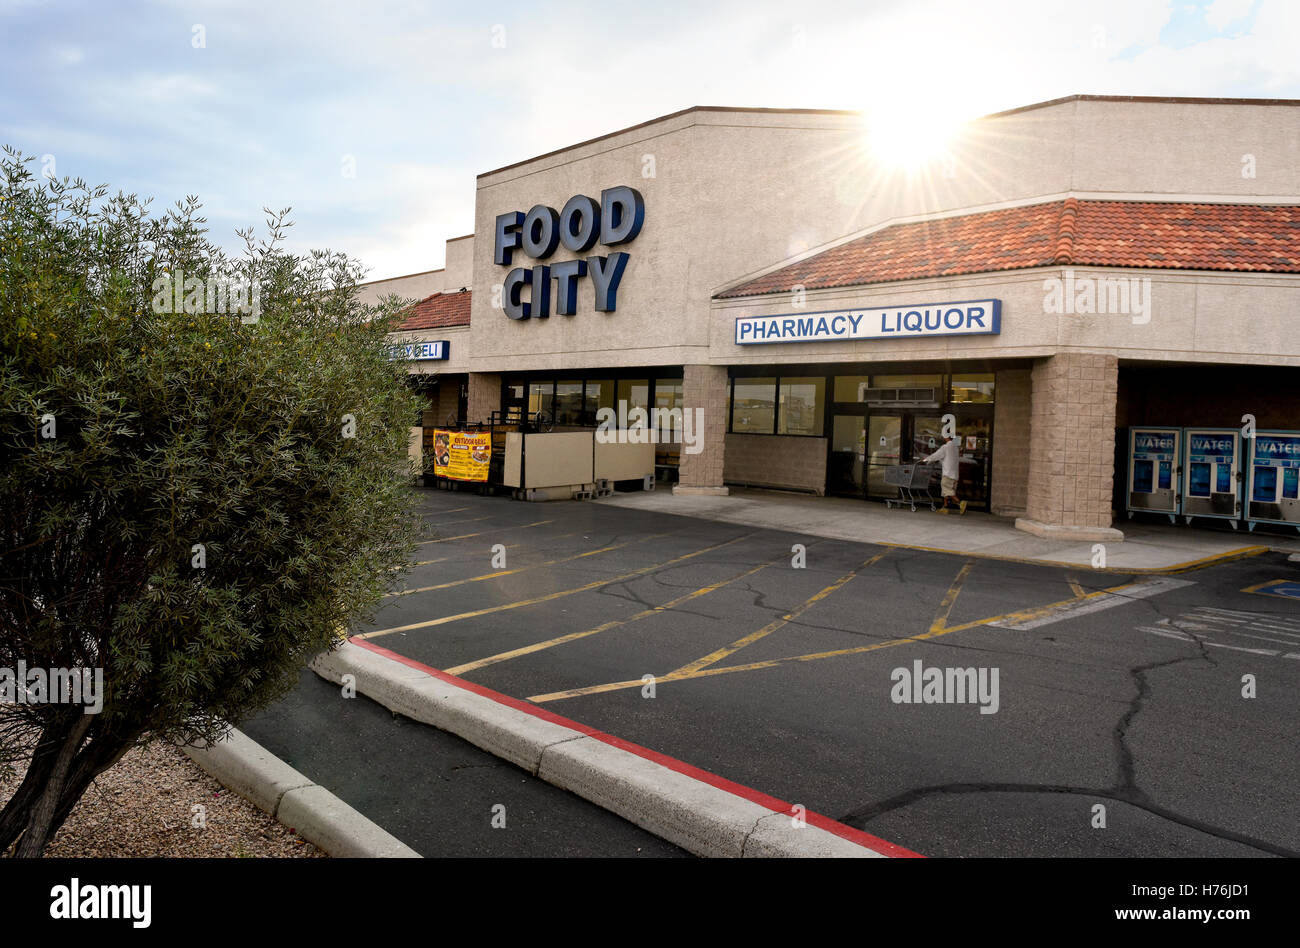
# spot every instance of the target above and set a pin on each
(1274, 479)
(1154, 456)
(1212, 474)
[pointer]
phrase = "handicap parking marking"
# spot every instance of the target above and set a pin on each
(1282, 588)
(1206, 623)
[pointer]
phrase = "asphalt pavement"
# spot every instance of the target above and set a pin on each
(440, 795)
(1131, 715)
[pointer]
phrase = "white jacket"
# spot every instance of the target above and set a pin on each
(948, 457)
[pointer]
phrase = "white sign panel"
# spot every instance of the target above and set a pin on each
(963, 318)
(421, 350)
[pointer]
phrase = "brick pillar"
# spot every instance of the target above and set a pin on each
(448, 402)
(1012, 397)
(1072, 447)
(704, 387)
(484, 396)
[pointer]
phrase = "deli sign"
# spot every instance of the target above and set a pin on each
(584, 221)
(433, 349)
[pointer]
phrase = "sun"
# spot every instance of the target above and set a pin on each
(907, 135)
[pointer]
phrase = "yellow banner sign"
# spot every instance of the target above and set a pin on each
(462, 455)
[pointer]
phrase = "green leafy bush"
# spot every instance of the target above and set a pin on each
(196, 502)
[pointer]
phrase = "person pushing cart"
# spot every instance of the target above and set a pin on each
(949, 462)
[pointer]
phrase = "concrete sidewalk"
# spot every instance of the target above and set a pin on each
(1146, 547)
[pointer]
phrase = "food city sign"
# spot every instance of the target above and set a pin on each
(965, 318)
(615, 219)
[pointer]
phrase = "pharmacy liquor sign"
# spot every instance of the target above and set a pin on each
(962, 318)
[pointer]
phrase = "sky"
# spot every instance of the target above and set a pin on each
(371, 120)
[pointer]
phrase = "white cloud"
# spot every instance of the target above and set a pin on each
(1220, 13)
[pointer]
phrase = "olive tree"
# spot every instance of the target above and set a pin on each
(203, 475)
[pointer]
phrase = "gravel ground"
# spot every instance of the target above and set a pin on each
(146, 806)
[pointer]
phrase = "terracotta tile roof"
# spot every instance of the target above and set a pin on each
(1245, 237)
(439, 310)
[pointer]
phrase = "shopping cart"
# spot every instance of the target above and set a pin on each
(915, 483)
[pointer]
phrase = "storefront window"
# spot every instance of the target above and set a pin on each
(636, 392)
(802, 401)
(568, 403)
(600, 394)
(753, 407)
(851, 388)
(541, 398)
(668, 395)
(970, 388)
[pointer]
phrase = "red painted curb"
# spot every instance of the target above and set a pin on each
(866, 840)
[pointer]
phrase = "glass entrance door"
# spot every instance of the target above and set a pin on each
(846, 470)
(975, 445)
(909, 436)
(884, 447)
(927, 436)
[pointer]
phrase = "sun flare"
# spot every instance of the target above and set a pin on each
(907, 135)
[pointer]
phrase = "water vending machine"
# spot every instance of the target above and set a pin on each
(1211, 474)
(1153, 470)
(1274, 478)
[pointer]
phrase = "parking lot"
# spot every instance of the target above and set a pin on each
(1110, 717)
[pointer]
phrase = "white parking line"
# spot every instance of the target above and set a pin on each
(1142, 590)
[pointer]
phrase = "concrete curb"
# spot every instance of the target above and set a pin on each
(241, 764)
(700, 812)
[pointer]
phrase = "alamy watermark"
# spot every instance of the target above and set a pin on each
(1125, 296)
(176, 293)
(23, 685)
(653, 426)
(920, 685)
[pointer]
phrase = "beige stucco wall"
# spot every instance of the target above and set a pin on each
(1198, 317)
(459, 269)
(457, 355)
(737, 193)
(415, 286)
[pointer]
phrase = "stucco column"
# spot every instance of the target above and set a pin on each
(704, 387)
(484, 396)
(1072, 447)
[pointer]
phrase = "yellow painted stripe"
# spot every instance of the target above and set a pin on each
(934, 632)
(1079, 591)
(425, 562)
(466, 536)
(715, 657)
(1038, 612)
(509, 546)
(574, 636)
(550, 596)
(520, 569)
(950, 597)
(452, 523)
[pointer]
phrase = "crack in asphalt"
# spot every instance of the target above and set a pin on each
(1126, 789)
(860, 817)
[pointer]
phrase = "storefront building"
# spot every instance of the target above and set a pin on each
(1063, 275)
